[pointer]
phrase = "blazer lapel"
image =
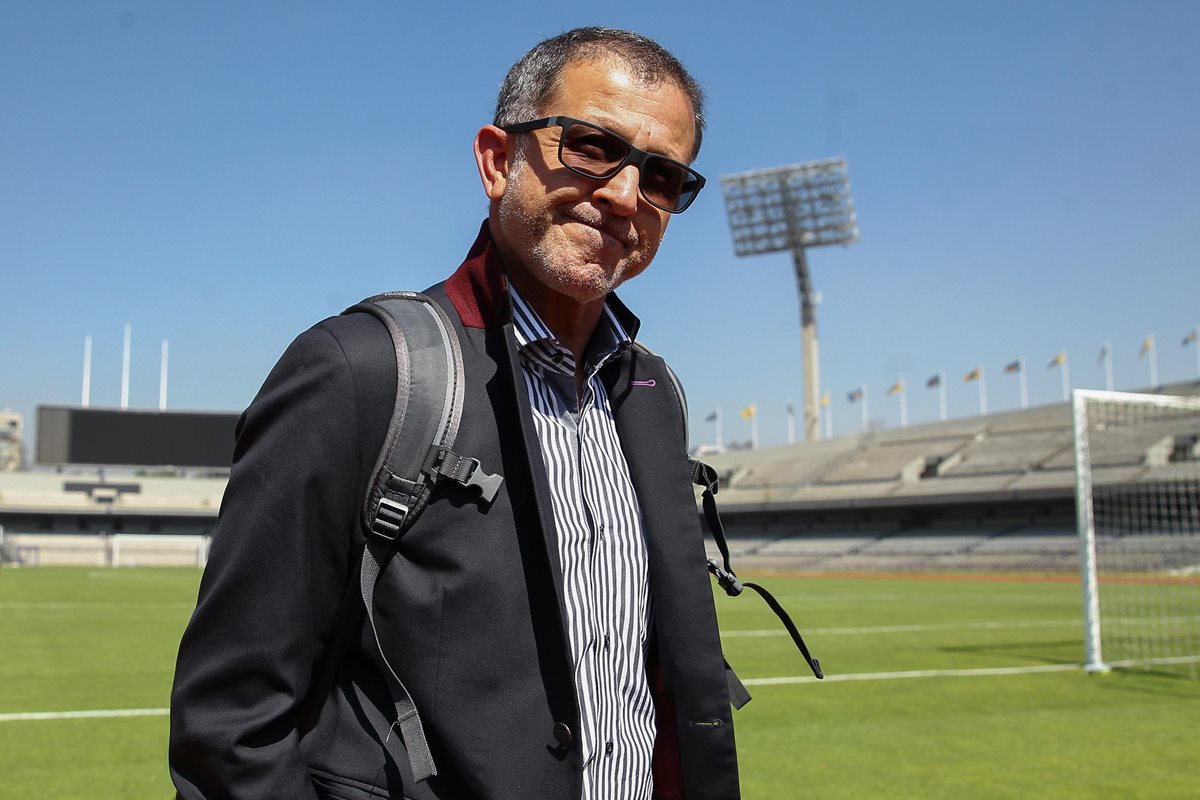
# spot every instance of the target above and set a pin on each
(537, 468)
(650, 423)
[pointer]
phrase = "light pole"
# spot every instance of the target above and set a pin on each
(794, 208)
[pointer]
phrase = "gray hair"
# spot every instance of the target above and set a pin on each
(533, 80)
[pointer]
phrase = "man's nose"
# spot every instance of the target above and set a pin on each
(621, 191)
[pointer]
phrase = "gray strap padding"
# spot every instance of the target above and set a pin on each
(429, 401)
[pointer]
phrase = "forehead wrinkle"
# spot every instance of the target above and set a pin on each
(622, 96)
(645, 128)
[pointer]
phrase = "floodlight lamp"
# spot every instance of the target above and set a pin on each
(790, 208)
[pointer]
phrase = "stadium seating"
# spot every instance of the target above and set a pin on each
(992, 492)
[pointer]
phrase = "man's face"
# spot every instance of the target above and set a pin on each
(580, 237)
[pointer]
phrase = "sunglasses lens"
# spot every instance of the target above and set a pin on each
(592, 151)
(597, 153)
(667, 184)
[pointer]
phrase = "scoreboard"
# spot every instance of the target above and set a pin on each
(75, 435)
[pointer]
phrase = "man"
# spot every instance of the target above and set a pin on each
(559, 642)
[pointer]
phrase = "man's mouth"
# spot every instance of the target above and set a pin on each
(623, 234)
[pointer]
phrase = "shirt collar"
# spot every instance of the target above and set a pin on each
(613, 335)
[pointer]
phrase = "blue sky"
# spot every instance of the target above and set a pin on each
(223, 175)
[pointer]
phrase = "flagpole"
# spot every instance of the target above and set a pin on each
(754, 427)
(1195, 334)
(828, 412)
(1066, 377)
(942, 392)
(162, 379)
(865, 415)
(1024, 383)
(125, 369)
(87, 371)
(982, 393)
(791, 423)
(1153, 360)
(720, 438)
(1108, 378)
(903, 404)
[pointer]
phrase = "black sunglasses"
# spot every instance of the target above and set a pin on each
(595, 152)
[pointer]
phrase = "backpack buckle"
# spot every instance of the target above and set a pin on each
(486, 484)
(442, 462)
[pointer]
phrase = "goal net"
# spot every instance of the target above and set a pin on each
(1137, 489)
(158, 550)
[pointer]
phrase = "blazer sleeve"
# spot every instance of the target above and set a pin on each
(277, 570)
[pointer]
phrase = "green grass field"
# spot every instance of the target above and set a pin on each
(79, 639)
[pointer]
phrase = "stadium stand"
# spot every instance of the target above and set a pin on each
(69, 517)
(990, 492)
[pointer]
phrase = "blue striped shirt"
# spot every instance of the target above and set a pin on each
(602, 551)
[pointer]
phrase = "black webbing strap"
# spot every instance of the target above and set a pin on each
(375, 555)
(738, 695)
(705, 476)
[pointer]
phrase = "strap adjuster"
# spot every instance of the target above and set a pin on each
(725, 578)
(704, 475)
(389, 518)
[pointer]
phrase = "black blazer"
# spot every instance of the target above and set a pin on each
(470, 608)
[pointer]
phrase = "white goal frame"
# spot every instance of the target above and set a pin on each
(167, 544)
(1086, 517)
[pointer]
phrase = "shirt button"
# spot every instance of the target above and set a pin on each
(607, 642)
(608, 748)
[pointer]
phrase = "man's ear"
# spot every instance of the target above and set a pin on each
(492, 158)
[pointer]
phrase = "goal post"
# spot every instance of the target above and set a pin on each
(162, 550)
(1137, 494)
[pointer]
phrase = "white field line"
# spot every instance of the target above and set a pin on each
(854, 676)
(917, 673)
(949, 626)
(982, 672)
(55, 605)
(97, 714)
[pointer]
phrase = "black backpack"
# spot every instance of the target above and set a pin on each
(418, 453)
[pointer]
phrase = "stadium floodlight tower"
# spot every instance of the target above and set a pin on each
(794, 208)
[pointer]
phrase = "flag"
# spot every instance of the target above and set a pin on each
(790, 410)
(749, 411)
(1057, 361)
(896, 388)
(1103, 355)
(711, 417)
(1013, 366)
(854, 396)
(934, 382)
(1191, 337)
(973, 375)
(1147, 346)
(825, 400)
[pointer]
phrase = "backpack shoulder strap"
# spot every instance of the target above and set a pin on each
(739, 696)
(417, 453)
(705, 476)
(675, 384)
(418, 450)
